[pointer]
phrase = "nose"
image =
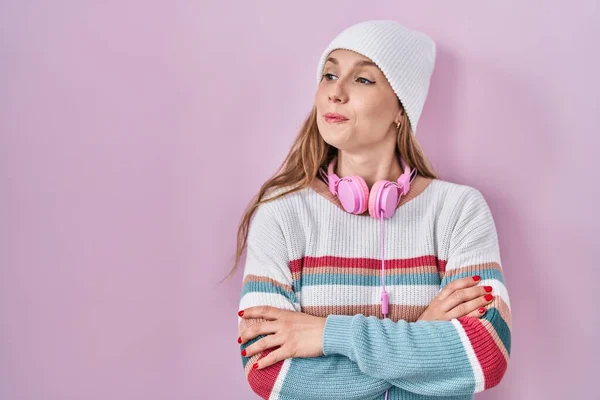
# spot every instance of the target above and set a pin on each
(337, 93)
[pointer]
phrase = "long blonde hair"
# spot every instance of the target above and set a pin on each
(310, 152)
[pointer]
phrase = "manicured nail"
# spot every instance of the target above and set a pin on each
(476, 278)
(488, 297)
(244, 352)
(481, 310)
(240, 339)
(255, 366)
(240, 313)
(488, 288)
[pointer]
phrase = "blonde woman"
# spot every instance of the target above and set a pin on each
(366, 276)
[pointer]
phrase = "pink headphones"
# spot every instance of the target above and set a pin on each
(354, 195)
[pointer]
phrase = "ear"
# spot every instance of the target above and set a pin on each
(399, 116)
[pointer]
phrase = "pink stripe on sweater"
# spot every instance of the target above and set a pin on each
(370, 263)
(491, 359)
(262, 381)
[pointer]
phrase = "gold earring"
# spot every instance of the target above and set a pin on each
(398, 125)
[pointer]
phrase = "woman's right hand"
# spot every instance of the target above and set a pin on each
(459, 298)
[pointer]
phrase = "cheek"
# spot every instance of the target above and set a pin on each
(372, 110)
(320, 98)
(375, 117)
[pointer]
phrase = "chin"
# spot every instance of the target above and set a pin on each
(339, 143)
(333, 139)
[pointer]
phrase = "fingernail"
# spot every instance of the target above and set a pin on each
(481, 310)
(488, 288)
(240, 339)
(255, 366)
(488, 297)
(244, 352)
(240, 313)
(476, 278)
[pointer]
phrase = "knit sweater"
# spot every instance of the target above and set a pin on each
(305, 253)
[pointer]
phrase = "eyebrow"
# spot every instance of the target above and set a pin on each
(361, 63)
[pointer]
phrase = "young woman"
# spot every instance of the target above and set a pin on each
(366, 276)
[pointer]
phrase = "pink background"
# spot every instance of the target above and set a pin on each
(134, 133)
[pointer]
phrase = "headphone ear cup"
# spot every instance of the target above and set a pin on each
(384, 196)
(353, 193)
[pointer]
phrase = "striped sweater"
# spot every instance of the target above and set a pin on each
(305, 253)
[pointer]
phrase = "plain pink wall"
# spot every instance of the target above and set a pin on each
(134, 133)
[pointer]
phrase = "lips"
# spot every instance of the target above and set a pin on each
(332, 117)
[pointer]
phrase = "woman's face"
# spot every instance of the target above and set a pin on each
(361, 93)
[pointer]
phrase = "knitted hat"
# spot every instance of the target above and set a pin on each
(406, 58)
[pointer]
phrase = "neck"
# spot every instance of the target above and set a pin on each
(371, 167)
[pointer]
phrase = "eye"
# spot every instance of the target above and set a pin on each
(363, 80)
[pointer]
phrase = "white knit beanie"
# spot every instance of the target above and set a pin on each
(405, 56)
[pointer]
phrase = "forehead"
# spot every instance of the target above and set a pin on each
(349, 57)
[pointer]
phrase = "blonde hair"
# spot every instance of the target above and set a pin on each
(310, 152)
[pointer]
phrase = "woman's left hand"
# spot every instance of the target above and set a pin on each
(298, 334)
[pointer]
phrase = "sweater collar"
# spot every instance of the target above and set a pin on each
(418, 185)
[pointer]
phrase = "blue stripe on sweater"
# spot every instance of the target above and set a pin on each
(375, 280)
(248, 343)
(500, 325)
(492, 273)
(268, 287)
(369, 280)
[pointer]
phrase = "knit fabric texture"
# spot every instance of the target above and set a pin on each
(305, 253)
(405, 56)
